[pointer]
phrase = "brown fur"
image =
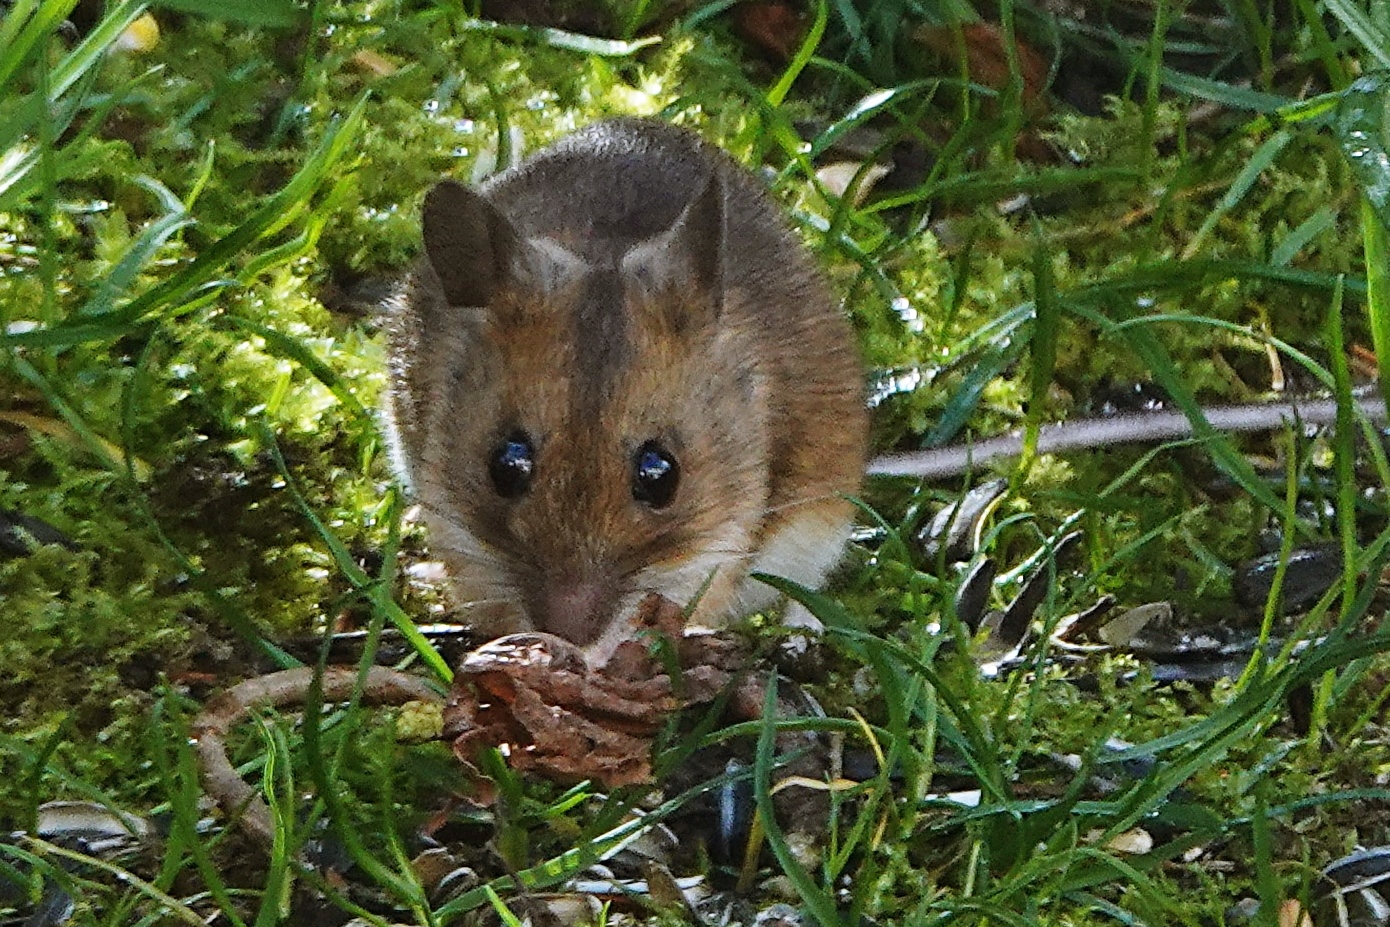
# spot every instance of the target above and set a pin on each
(638, 286)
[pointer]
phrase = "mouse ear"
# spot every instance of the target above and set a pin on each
(475, 251)
(687, 258)
(471, 246)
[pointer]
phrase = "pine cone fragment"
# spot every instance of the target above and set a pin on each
(534, 696)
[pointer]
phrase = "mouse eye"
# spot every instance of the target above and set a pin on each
(511, 465)
(655, 475)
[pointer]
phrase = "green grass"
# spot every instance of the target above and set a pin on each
(187, 393)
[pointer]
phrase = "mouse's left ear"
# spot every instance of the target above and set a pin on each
(470, 245)
(476, 252)
(688, 258)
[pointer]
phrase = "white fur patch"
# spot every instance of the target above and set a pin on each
(803, 551)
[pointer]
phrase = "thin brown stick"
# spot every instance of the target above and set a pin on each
(1096, 433)
(280, 690)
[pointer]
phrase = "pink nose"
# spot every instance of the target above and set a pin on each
(575, 611)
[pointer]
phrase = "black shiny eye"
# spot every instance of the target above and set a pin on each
(655, 475)
(511, 465)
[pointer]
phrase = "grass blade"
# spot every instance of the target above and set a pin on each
(379, 597)
(21, 35)
(1369, 33)
(270, 14)
(278, 211)
(1362, 126)
(84, 57)
(778, 93)
(1259, 162)
(1043, 344)
(821, 905)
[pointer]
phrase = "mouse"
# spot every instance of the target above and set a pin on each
(616, 371)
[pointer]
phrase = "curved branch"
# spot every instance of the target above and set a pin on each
(287, 688)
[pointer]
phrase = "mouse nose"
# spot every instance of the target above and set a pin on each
(576, 611)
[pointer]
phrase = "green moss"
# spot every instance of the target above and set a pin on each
(94, 631)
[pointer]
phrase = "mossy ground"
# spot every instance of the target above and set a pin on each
(144, 437)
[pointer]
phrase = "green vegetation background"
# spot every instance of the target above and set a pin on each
(192, 235)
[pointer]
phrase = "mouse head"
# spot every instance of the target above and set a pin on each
(598, 426)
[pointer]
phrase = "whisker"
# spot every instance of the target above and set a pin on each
(444, 515)
(808, 500)
(497, 600)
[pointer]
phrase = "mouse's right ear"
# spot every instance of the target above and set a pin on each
(471, 246)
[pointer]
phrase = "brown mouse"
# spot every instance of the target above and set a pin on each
(614, 372)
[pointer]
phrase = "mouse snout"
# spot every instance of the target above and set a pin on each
(575, 610)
